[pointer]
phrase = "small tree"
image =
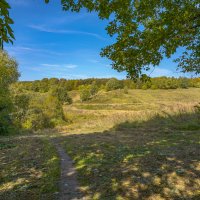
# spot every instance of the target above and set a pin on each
(94, 89)
(85, 95)
(62, 95)
(113, 84)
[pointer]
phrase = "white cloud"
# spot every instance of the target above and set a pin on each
(50, 65)
(61, 66)
(61, 31)
(70, 66)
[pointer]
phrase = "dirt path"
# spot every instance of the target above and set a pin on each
(69, 187)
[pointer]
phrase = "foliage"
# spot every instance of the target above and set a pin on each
(8, 75)
(35, 119)
(21, 101)
(62, 95)
(6, 32)
(113, 84)
(146, 31)
(44, 112)
(125, 90)
(85, 94)
(8, 70)
(100, 84)
(37, 111)
(94, 88)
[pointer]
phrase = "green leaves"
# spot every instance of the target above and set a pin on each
(6, 32)
(147, 31)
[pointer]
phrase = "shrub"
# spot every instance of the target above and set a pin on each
(113, 84)
(85, 95)
(43, 111)
(35, 119)
(154, 87)
(125, 90)
(21, 101)
(62, 95)
(6, 107)
(8, 75)
(144, 87)
(93, 89)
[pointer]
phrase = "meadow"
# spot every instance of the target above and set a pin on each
(143, 144)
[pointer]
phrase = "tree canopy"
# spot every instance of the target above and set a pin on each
(6, 32)
(146, 31)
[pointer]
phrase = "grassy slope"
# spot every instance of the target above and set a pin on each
(150, 157)
(29, 168)
(108, 109)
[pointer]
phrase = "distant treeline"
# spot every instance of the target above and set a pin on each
(46, 84)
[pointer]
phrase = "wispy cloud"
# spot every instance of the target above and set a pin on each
(62, 31)
(70, 66)
(14, 50)
(61, 66)
(50, 65)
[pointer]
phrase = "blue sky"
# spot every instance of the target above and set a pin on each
(53, 43)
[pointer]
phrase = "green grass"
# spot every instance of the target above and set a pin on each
(144, 96)
(141, 160)
(29, 168)
(140, 145)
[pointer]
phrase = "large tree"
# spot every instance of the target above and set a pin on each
(147, 31)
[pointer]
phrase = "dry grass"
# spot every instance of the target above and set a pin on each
(109, 109)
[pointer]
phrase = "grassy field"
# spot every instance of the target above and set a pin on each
(140, 145)
(29, 168)
(108, 109)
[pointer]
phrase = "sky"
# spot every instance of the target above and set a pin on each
(55, 43)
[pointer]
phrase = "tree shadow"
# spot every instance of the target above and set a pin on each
(154, 159)
(29, 169)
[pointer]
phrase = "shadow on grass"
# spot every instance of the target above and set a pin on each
(29, 169)
(155, 159)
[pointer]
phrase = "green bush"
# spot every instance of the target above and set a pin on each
(125, 90)
(8, 75)
(37, 111)
(94, 89)
(6, 108)
(62, 95)
(35, 119)
(114, 84)
(85, 95)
